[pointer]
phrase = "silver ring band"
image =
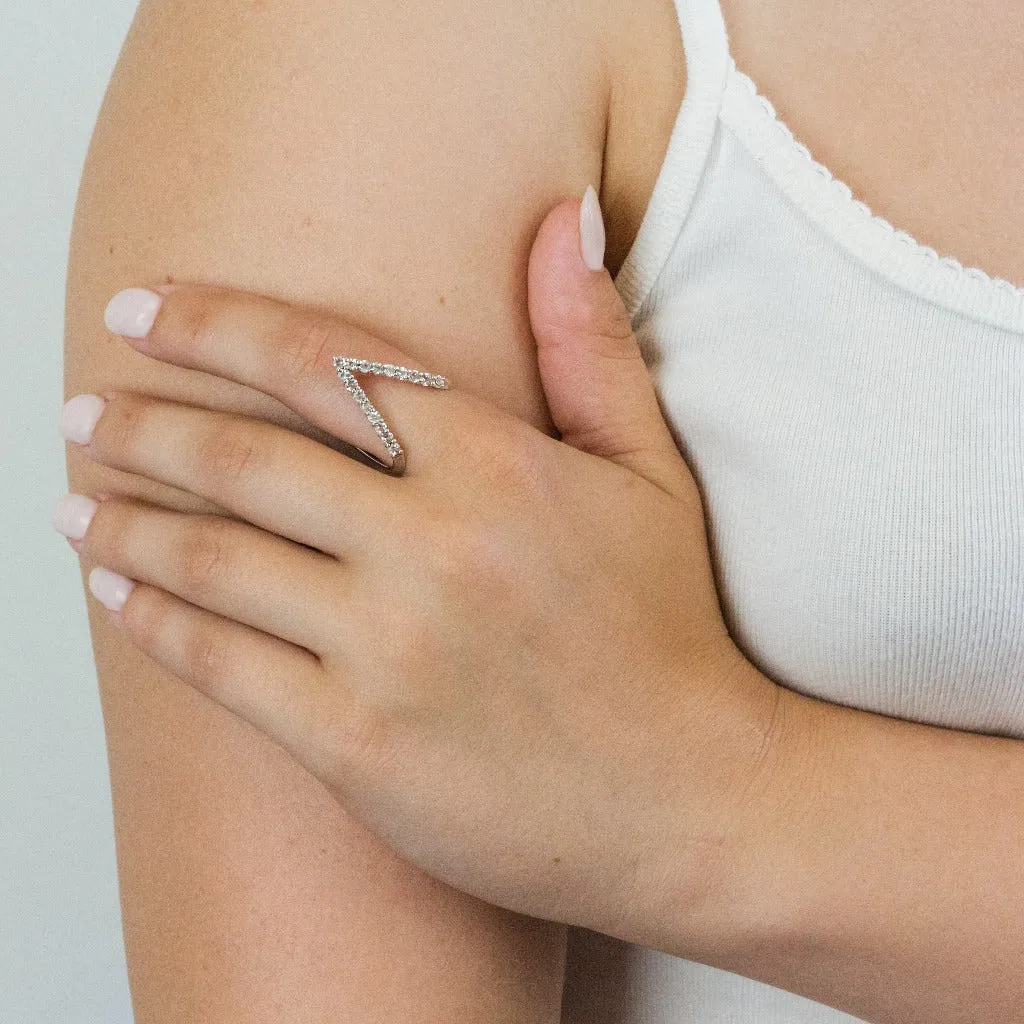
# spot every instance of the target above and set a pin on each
(347, 369)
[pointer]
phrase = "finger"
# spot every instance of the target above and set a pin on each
(216, 563)
(288, 351)
(275, 478)
(276, 687)
(598, 387)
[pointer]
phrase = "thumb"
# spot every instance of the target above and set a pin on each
(598, 388)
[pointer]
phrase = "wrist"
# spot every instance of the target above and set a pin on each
(760, 889)
(749, 908)
(720, 834)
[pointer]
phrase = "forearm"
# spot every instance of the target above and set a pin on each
(883, 870)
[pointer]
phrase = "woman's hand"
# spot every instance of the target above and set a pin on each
(510, 663)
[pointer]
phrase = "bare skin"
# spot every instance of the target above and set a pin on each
(217, 848)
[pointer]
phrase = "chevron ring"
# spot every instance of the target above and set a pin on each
(347, 369)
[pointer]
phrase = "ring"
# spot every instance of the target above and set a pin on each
(347, 369)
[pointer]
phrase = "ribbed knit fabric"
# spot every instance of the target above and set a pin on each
(852, 406)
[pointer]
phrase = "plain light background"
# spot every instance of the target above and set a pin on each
(61, 948)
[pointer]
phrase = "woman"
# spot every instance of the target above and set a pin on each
(848, 404)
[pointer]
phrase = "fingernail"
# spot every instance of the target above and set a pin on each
(110, 589)
(78, 417)
(72, 515)
(592, 230)
(131, 312)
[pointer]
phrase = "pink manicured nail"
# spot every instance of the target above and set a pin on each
(110, 589)
(78, 417)
(72, 515)
(131, 312)
(592, 230)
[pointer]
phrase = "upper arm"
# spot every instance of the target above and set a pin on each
(390, 162)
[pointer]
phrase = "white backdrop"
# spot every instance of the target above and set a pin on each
(61, 952)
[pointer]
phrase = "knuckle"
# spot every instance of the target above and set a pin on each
(605, 322)
(597, 316)
(228, 451)
(473, 556)
(204, 554)
(190, 319)
(122, 429)
(515, 466)
(456, 549)
(614, 339)
(146, 617)
(306, 340)
(206, 650)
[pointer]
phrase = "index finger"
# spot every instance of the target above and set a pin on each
(308, 359)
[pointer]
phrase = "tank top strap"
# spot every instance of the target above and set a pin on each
(706, 49)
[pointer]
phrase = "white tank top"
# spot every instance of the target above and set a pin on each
(852, 407)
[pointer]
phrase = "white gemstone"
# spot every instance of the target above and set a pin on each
(345, 366)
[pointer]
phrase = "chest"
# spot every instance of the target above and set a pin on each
(860, 453)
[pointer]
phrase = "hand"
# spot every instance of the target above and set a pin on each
(509, 663)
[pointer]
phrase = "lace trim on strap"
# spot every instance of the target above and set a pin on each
(831, 202)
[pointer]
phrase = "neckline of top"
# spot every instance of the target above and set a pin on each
(830, 202)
